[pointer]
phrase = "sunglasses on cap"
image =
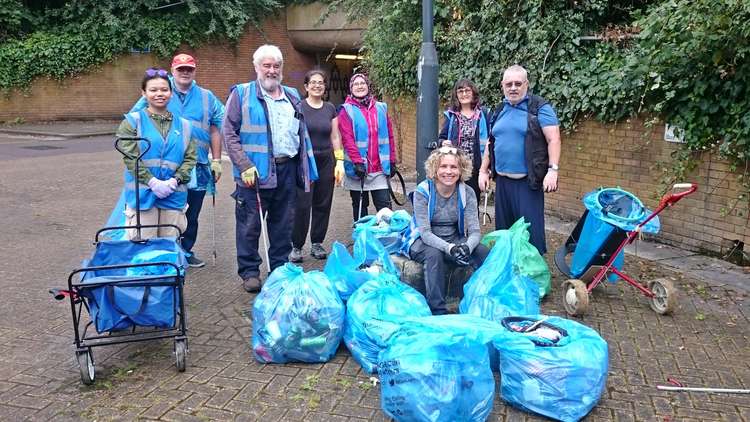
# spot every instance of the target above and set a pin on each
(156, 72)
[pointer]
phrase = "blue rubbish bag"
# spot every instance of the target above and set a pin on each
(496, 289)
(388, 227)
(385, 297)
(297, 317)
(344, 271)
(552, 366)
(368, 250)
(435, 374)
(113, 306)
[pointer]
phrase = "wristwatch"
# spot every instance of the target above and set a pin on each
(553, 167)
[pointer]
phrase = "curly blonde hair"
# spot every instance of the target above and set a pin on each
(433, 162)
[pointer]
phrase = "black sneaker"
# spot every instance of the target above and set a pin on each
(296, 255)
(194, 262)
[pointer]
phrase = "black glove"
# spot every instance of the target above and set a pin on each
(393, 171)
(461, 254)
(360, 170)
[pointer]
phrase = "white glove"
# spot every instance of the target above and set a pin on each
(160, 188)
(172, 183)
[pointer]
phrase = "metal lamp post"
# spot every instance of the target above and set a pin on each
(427, 99)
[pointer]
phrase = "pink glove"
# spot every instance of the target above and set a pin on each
(160, 188)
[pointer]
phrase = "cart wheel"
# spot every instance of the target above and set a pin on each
(180, 354)
(665, 296)
(575, 297)
(86, 364)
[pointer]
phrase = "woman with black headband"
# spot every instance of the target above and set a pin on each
(369, 147)
(165, 168)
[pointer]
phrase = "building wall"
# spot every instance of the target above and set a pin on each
(111, 89)
(628, 155)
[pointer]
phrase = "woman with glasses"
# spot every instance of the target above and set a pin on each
(164, 169)
(322, 125)
(369, 147)
(445, 226)
(465, 127)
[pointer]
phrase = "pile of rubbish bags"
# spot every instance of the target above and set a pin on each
(435, 368)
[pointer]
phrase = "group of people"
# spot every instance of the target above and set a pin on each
(288, 153)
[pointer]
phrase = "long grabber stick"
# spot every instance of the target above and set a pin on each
(263, 229)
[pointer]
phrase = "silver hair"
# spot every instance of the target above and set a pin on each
(516, 69)
(267, 51)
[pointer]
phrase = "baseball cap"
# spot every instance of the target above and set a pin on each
(183, 60)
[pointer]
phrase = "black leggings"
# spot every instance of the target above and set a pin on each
(380, 197)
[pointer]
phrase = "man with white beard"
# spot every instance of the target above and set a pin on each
(266, 139)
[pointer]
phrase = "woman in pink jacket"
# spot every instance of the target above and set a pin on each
(369, 147)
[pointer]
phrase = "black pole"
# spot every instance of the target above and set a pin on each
(427, 97)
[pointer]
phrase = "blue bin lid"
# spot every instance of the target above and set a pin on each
(620, 208)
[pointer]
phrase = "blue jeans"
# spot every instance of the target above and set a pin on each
(279, 204)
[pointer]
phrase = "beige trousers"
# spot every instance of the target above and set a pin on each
(156, 216)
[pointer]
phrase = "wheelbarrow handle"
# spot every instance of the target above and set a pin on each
(135, 139)
(672, 197)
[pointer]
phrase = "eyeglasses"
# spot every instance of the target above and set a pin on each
(464, 91)
(154, 72)
(316, 83)
(448, 150)
(513, 84)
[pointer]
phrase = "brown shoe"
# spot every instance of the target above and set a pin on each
(251, 284)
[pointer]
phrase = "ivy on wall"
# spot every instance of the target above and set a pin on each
(59, 39)
(686, 61)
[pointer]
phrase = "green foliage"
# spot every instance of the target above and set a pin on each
(67, 38)
(683, 60)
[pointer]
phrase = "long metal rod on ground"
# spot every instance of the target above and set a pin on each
(703, 389)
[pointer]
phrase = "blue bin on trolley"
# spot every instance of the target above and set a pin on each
(610, 214)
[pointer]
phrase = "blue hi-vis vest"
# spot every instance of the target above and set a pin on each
(195, 110)
(162, 159)
(426, 188)
(255, 133)
(362, 136)
(484, 135)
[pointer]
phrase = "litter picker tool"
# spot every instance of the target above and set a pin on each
(361, 193)
(485, 214)
(212, 187)
(677, 386)
(263, 228)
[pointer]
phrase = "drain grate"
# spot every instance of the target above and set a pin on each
(41, 147)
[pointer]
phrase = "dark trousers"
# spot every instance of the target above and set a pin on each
(195, 203)
(318, 202)
(279, 204)
(380, 197)
(515, 199)
(435, 263)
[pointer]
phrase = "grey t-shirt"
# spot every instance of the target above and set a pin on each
(442, 230)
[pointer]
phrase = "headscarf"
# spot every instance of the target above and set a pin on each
(364, 101)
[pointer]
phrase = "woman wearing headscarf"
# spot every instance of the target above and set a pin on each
(369, 147)
(465, 127)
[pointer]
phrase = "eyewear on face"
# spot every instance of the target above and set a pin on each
(153, 72)
(512, 84)
(448, 150)
(316, 83)
(464, 91)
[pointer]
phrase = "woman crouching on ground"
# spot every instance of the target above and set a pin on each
(445, 228)
(164, 170)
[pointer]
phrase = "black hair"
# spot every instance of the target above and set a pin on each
(464, 83)
(155, 73)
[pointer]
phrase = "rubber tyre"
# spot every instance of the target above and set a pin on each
(86, 365)
(575, 297)
(180, 354)
(665, 296)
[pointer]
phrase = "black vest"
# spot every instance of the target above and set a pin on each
(535, 144)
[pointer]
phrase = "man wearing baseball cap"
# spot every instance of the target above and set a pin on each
(205, 113)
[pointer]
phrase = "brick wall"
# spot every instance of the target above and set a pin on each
(626, 155)
(111, 89)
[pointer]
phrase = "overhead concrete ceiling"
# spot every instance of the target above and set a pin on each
(334, 34)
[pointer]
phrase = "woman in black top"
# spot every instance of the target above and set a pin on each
(322, 125)
(465, 127)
